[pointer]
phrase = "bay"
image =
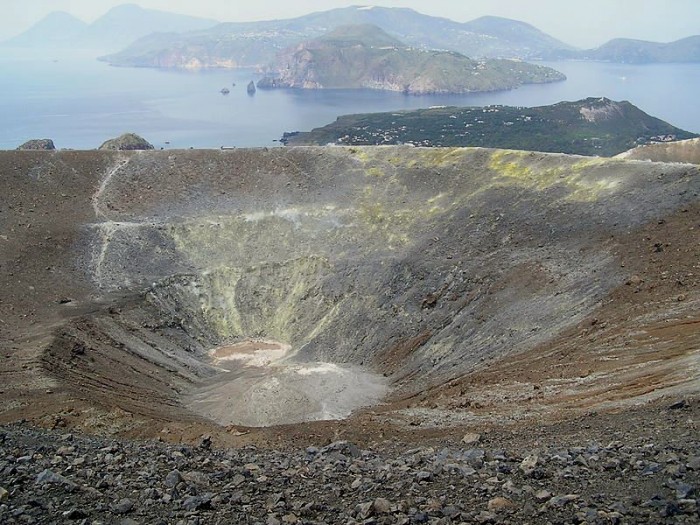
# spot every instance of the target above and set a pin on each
(80, 102)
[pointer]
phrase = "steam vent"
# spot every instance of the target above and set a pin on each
(153, 290)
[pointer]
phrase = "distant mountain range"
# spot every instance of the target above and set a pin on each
(257, 43)
(628, 51)
(114, 30)
(365, 56)
(594, 126)
(148, 38)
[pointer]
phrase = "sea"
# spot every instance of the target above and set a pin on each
(79, 102)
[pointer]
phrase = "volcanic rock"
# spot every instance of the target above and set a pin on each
(38, 144)
(127, 142)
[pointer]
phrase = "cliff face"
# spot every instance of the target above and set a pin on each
(365, 57)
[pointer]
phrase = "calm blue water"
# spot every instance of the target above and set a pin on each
(80, 102)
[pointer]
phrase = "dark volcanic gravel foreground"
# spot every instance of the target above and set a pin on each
(641, 466)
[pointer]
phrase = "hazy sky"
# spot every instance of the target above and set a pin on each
(584, 23)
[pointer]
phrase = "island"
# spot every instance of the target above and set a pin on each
(363, 56)
(593, 126)
(631, 51)
(256, 44)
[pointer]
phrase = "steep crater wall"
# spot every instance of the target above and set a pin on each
(416, 265)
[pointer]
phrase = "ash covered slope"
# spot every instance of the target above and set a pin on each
(123, 268)
(677, 151)
(365, 57)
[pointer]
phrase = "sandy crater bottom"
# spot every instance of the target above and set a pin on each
(260, 386)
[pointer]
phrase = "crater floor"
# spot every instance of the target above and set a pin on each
(260, 388)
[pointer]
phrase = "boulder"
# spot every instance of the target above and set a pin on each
(127, 142)
(38, 144)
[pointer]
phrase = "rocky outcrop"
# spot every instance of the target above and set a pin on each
(601, 110)
(38, 144)
(127, 142)
(251, 88)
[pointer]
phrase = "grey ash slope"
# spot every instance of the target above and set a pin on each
(679, 151)
(256, 43)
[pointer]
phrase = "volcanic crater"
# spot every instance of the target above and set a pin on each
(398, 286)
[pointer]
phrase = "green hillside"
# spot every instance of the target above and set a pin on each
(594, 126)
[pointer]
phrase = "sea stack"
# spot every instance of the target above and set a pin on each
(251, 88)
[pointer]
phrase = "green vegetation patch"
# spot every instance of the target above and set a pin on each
(587, 127)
